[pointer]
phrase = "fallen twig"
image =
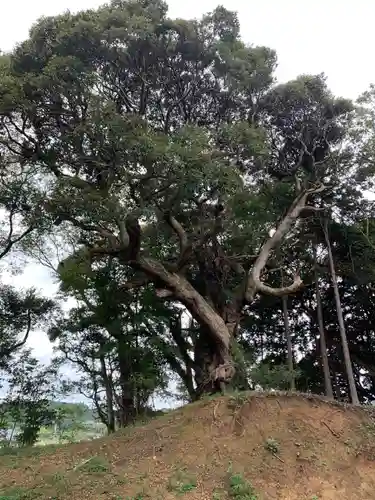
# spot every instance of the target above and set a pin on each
(330, 430)
(278, 458)
(83, 463)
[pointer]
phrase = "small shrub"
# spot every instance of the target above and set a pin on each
(237, 400)
(240, 489)
(272, 446)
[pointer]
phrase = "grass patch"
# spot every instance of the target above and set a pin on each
(240, 489)
(59, 482)
(366, 444)
(28, 451)
(18, 494)
(182, 482)
(94, 465)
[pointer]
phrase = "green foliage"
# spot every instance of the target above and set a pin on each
(109, 338)
(272, 446)
(240, 489)
(273, 376)
(94, 465)
(19, 313)
(26, 406)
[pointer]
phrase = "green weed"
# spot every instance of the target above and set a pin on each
(240, 489)
(94, 465)
(272, 446)
(182, 483)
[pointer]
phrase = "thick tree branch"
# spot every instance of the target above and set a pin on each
(254, 283)
(183, 291)
(180, 232)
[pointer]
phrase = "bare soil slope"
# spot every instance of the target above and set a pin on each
(245, 446)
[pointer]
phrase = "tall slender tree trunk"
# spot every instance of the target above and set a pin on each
(322, 336)
(111, 423)
(340, 317)
(292, 382)
(288, 337)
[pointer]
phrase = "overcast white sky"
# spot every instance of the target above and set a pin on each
(331, 36)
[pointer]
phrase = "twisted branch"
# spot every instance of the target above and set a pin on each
(254, 283)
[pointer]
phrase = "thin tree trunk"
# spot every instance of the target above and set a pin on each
(186, 374)
(12, 434)
(128, 410)
(109, 396)
(340, 317)
(288, 337)
(322, 336)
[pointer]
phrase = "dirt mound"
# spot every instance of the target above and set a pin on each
(245, 446)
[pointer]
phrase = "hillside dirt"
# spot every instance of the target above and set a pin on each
(241, 446)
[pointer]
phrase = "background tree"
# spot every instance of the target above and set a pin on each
(111, 336)
(26, 405)
(20, 312)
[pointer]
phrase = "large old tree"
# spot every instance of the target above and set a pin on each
(167, 146)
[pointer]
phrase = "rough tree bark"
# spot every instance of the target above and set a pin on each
(340, 318)
(322, 336)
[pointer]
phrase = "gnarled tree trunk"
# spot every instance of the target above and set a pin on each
(218, 328)
(215, 367)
